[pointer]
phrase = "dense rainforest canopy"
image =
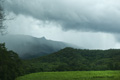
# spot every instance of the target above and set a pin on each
(69, 59)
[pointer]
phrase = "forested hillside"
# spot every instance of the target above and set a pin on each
(69, 59)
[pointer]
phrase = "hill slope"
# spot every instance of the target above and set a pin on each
(31, 47)
(69, 59)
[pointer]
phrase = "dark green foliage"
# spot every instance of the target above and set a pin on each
(70, 59)
(10, 64)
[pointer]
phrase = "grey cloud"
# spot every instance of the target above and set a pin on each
(85, 15)
(117, 36)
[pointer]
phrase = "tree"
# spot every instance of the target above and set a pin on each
(10, 64)
(1, 17)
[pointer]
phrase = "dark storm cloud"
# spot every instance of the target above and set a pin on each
(84, 15)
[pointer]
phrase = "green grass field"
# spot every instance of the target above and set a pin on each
(73, 75)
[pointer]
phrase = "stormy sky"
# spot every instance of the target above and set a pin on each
(92, 24)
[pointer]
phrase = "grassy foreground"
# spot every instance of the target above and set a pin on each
(73, 75)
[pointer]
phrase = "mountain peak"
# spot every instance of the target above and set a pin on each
(43, 37)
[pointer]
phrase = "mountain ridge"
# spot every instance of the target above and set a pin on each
(30, 47)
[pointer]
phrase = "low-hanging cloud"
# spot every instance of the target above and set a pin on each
(84, 15)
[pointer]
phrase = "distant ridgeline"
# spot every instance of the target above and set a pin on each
(28, 47)
(69, 59)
